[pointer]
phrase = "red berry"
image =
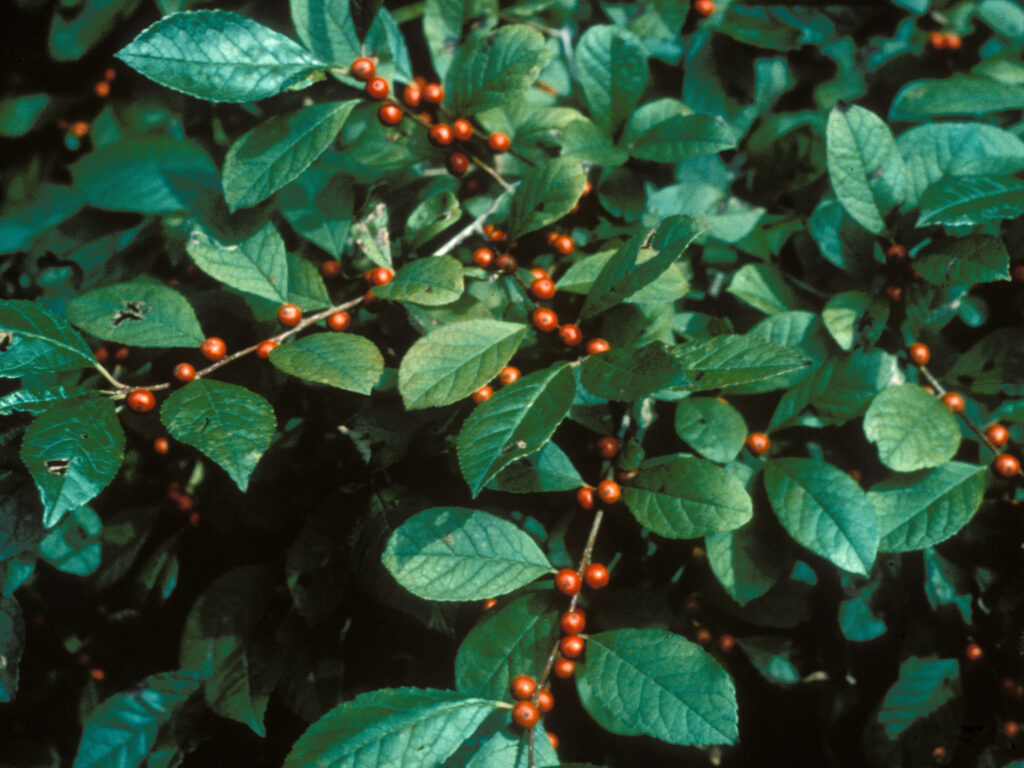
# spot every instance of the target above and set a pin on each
(553, 739)
(509, 375)
(1017, 273)
(596, 576)
(389, 114)
(726, 643)
(571, 646)
(545, 319)
(542, 288)
(624, 476)
(498, 236)
(265, 348)
(597, 346)
(940, 755)
(568, 581)
(363, 69)
(758, 443)
(545, 701)
(193, 519)
(162, 446)
(585, 497)
(102, 355)
(381, 276)
(122, 354)
(184, 372)
(457, 163)
(462, 129)
(564, 668)
(609, 491)
(482, 394)
(974, 652)
(564, 245)
(80, 129)
(213, 348)
(894, 293)
(704, 7)
(953, 42)
(433, 93)
(704, 636)
(1010, 729)
(339, 321)
(141, 400)
(919, 354)
(289, 315)
(523, 687)
(936, 40)
(895, 254)
(489, 603)
(483, 257)
(607, 447)
(377, 88)
(573, 622)
(539, 273)
(412, 95)
(110, 74)
(97, 674)
(330, 268)
(570, 334)
(441, 135)
(506, 263)
(498, 142)
(525, 714)
(1006, 465)
(997, 434)
(954, 402)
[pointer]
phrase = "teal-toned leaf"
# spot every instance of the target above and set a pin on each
(969, 200)
(711, 427)
(545, 471)
(683, 497)
(546, 193)
(732, 359)
(432, 217)
(748, 561)
(825, 510)
(21, 519)
(493, 67)
(966, 261)
(410, 727)
(147, 175)
(75, 34)
(514, 423)
(584, 141)
(958, 94)
(764, 287)
(74, 545)
(852, 315)
(946, 584)
(278, 150)
(219, 56)
(1004, 16)
(364, 12)
(923, 686)
(36, 340)
(342, 360)
(123, 729)
(73, 451)
(913, 429)
(257, 265)
(456, 360)
(306, 287)
(864, 165)
(514, 639)
(451, 553)
(328, 29)
(20, 224)
(921, 509)
(430, 282)
(612, 67)
(12, 644)
(139, 314)
(228, 423)
(319, 205)
(505, 750)
(648, 681)
(627, 374)
(639, 262)
(858, 620)
(682, 137)
(20, 114)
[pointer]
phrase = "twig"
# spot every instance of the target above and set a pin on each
(109, 377)
(475, 226)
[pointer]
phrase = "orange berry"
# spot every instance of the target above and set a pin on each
(141, 400)
(542, 288)
(570, 334)
(482, 394)
(339, 321)
(609, 491)
(1006, 465)
(573, 622)
(596, 576)
(704, 7)
(507, 263)
(936, 40)
(704, 636)
(525, 714)
(974, 652)
(441, 135)
(585, 497)
(102, 89)
(509, 375)
(110, 74)
(523, 687)
(433, 93)
(758, 443)
(330, 268)
(498, 142)
(97, 674)
(289, 315)
(458, 163)
(462, 129)
(1010, 729)
(489, 603)
(483, 257)
(564, 668)
(377, 88)
(162, 446)
(363, 69)
(953, 42)
(895, 254)
(894, 293)
(597, 346)
(997, 434)
(79, 129)
(564, 245)
(545, 701)
(919, 354)
(381, 276)
(265, 348)
(726, 643)
(412, 95)
(389, 114)
(213, 349)
(568, 582)
(553, 739)
(184, 372)
(940, 755)
(572, 646)
(954, 402)
(545, 319)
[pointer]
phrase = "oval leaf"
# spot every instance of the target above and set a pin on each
(343, 360)
(430, 282)
(546, 193)
(612, 67)
(711, 427)
(912, 428)
(35, 340)
(138, 314)
(257, 265)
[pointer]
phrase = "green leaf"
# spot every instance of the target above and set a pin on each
(584, 141)
(764, 287)
(12, 644)
(74, 545)
(748, 561)
(825, 510)
(456, 360)
(122, 730)
(35, 340)
(851, 315)
(958, 94)
(431, 282)
(648, 681)
(139, 314)
(684, 497)
(711, 427)
(966, 261)
(73, 451)
(731, 359)
(682, 137)
(493, 67)
(612, 68)
(639, 262)
(920, 509)
(342, 360)
(432, 217)
(514, 639)
(147, 175)
(410, 727)
(364, 12)
(22, 223)
(278, 150)
(864, 165)
(452, 553)
(319, 205)
(305, 286)
(228, 423)
(256, 265)
(970, 200)
(219, 56)
(545, 471)
(20, 114)
(924, 685)
(913, 429)
(505, 750)
(546, 193)
(328, 29)
(516, 422)
(627, 374)
(21, 521)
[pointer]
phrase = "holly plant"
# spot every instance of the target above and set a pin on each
(511, 383)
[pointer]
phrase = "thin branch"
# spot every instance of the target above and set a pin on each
(475, 226)
(109, 377)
